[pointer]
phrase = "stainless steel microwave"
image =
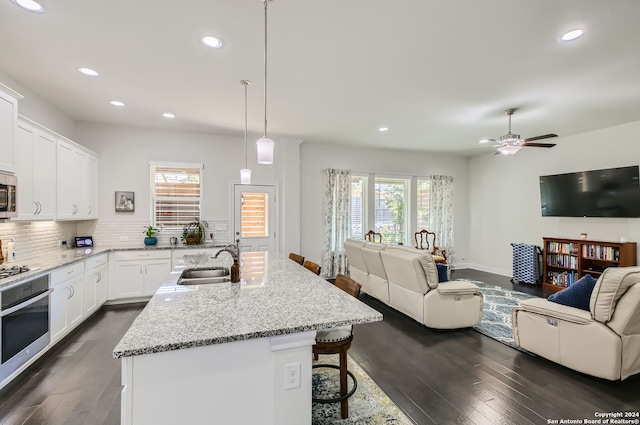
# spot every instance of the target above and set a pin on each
(8, 188)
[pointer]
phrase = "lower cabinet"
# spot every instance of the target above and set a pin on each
(138, 273)
(67, 300)
(95, 283)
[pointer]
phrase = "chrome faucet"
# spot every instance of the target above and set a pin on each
(231, 249)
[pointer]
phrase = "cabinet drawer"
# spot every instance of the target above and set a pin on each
(142, 255)
(66, 273)
(95, 262)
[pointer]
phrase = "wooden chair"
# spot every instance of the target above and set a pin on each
(427, 240)
(371, 236)
(310, 265)
(338, 341)
(297, 258)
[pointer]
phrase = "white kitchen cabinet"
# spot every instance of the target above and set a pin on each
(70, 181)
(8, 120)
(35, 152)
(91, 186)
(67, 300)
(95, 283)
(138, 273)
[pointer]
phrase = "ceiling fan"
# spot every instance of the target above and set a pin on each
(511, 143)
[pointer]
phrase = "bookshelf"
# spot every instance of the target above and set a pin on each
(566, 260)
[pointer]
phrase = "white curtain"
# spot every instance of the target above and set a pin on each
(337, 207)
(441, 214)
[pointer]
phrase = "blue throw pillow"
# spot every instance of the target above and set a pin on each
(576, 295)
(442, 272)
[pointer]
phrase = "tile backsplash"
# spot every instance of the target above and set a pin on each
(37, 238)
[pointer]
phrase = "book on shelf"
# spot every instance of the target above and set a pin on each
(562, 247)
(562, 279)
(601, 252)
(562, 260)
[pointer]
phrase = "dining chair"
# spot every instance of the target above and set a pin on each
(427, 240)
(338, 341)
(310, 265)
(371, 236)
(297, 258)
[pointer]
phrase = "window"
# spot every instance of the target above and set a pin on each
(358, 220)
(176, 192)
(254, 215)
(422, 197)
(391, 209)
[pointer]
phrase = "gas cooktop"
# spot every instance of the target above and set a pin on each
(7, 271)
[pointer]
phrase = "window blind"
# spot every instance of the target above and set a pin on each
(176, 194)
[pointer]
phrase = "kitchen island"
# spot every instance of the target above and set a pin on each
(217, 353)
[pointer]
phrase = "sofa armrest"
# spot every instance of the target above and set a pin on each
(457, 287)
(556, 311)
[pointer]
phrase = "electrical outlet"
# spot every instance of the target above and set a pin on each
(291, 375)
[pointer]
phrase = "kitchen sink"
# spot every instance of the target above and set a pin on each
(202, 276)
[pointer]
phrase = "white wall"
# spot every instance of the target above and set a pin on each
(37, 109)
(386, 162)
(505, 195)
(125, 152)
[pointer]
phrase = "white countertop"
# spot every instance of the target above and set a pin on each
(275, 296)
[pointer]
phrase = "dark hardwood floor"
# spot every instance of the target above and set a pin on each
(435, 377)
(464, 377)
(78, 381)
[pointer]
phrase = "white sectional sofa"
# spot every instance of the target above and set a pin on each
(406, 279)
(603, 342)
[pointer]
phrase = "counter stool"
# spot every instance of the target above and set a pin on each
(337, 341)
(310, 265)
(297, 258)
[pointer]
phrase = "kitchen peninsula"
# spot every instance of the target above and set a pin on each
(217, 353)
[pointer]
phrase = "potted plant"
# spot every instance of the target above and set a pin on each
(193, 233)
(150, 239)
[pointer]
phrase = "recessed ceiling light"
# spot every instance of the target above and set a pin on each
(168, 115)
(572, 35)
(29, 5)
(88, 71)
(212, 42)
(117, 103)
(382, 129)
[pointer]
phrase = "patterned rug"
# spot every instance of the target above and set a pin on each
(496, 315)
(369, 405)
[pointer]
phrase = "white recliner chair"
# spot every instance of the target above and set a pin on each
(603, 342)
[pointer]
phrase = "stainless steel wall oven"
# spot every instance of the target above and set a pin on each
(24, 317)
(8, 194)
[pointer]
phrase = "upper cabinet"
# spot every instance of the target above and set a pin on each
(8, 119)
(91, 186)
(35, 152)
(71, 180)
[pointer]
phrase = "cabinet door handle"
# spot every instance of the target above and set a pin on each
(99, 277)
(89, 208)
(145, 268)
(70, 292)
(39, 208)
(36, 211)
(140, 268)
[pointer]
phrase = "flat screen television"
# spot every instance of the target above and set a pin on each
(613, 192)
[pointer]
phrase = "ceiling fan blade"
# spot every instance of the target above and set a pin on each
(544, 136)
(539, 145)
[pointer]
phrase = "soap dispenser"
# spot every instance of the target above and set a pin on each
(235, 271)
(1, 256)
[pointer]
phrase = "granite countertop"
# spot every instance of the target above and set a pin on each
(275, 296)
(63, 257)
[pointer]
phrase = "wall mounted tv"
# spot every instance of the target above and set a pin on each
(613, 192)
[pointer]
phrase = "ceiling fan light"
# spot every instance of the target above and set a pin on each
(245, 176)
(509, 149)
(265, 151)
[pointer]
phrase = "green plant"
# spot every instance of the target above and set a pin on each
(193, 233)
(150, 231)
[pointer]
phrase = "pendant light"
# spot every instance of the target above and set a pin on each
(245, 173)
(264, 144)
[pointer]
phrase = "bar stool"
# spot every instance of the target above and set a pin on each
(338, 341)
(297, 258)
(310, 265)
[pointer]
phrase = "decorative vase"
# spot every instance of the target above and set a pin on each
(151, 241)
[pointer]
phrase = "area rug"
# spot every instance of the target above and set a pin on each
(496, 314)
(369, 405)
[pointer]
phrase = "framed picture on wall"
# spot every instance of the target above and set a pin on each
(125, 202)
